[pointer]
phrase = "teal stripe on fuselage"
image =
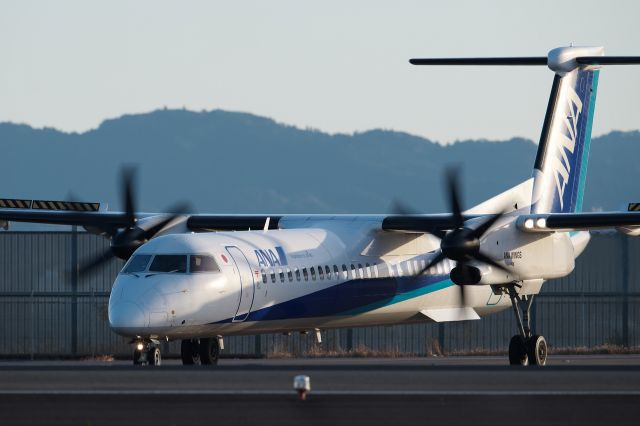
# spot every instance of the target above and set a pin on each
(587, 142)
(400, 297)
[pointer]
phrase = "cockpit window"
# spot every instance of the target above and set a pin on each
(200, 263)
(169, 263)
(137, 263)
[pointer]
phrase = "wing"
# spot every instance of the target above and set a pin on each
(60, 213)
(566, 222)
(89, 215)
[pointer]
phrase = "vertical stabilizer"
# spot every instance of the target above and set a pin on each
(561, 163)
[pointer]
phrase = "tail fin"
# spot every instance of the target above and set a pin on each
(563, 152)
(561, 164)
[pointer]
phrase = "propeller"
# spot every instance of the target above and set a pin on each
(462, 244)
(128, 239)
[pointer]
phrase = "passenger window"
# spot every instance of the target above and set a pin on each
(273, 276)
(198, 263)
(305, 273)
(336, 272)
(345, 274)
(367, 271)
(264, 276)
(138, 263)
(375, 270)
(313, 273)
(297, 274)
(171, 263)
(281, 276)
(328, 271)
(289, 275)
(353, 271)
(320, 273)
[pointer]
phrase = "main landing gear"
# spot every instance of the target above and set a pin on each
(201, 351)
(146, 353)
(525, 348)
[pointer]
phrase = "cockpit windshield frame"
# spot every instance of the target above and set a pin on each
(133, 265)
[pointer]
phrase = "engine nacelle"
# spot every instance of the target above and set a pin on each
(480, 275)
(529, 256)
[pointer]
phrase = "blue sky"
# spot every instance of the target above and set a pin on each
(336, 66)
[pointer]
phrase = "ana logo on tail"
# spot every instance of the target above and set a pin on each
(567, 141)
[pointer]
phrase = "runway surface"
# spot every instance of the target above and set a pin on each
(457, 390)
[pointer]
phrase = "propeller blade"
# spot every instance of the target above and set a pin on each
(484, 226)
(95, 263)
(128, 178)
(486, 259)
(174, 213)
(402, 209)
(439, 258)
(465, 278)
(454, 196)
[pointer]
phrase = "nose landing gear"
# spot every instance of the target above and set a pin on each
(525, 348)
(146, 352)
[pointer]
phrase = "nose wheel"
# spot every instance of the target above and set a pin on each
(146, 353)
(525, 348)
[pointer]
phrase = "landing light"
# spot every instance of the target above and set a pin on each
(528, 223)
(541, 222)
(140, 346)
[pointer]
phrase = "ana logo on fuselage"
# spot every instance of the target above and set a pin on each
(268, 258)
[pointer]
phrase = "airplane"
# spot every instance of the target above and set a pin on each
(200, 277)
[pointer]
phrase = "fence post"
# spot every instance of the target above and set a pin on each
(349, 339)
(441, 337)
(74, 291)
(33, 326)
(625, 289)
(258, 346)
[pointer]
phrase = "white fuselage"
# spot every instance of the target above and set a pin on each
(271, 282)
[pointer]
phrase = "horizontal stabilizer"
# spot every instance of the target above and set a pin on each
(608, 60)
(451, 314)
(526, 60)
(533, 60)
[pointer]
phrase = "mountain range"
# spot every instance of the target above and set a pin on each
(231, 162)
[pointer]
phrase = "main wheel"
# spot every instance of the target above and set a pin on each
(190, 351)
(154, 357)
(209, 351)
(518, 351)
(537, 350)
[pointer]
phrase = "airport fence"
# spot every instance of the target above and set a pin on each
(46, 310)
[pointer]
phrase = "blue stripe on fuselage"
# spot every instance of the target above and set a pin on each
(351, 297)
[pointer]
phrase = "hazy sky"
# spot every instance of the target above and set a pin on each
(339, 66)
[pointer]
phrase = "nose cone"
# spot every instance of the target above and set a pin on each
(127, 318)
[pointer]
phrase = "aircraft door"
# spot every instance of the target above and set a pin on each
(247, 285)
